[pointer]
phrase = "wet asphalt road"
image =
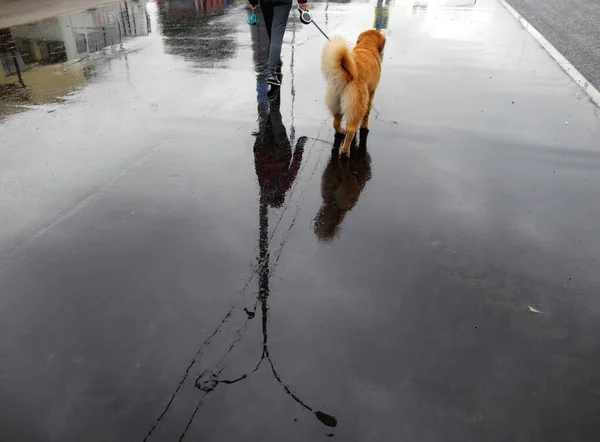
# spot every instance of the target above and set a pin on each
(572, 27)
(178, 262)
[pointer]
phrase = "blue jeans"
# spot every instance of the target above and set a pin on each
(276, 13)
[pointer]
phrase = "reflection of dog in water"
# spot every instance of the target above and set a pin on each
(341, 186)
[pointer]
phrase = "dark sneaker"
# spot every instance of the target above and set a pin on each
(274, 85)
(279, 71)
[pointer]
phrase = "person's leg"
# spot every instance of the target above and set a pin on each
(280, 133)
(281, 13)
(266, 6)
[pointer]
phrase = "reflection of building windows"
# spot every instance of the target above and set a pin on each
(96, 40)
(80, 43)
(88, 71)
(53, 51)
(25, 49)
(8, 63)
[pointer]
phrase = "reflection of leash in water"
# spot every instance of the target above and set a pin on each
(208, 379)
(208, 385)
(293, 83)
(275, 175)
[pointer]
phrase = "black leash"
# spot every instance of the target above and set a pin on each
(305, 18)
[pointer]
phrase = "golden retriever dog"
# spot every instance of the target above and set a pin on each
(352, 76)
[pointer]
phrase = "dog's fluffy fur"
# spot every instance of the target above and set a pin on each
(352, 76)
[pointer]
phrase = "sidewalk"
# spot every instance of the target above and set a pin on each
(441, 287)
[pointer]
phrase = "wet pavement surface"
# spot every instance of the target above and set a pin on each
(17, 12)
(180, 262)
(572, 27)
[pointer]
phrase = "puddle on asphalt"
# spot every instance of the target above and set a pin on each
(44, 61)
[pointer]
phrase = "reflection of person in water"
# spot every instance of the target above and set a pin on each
(382, 15)
(276, 166)
(276, 169)
(341, 186)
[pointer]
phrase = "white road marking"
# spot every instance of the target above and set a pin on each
(583, 83)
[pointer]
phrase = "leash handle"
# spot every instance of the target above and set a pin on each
(306, 19)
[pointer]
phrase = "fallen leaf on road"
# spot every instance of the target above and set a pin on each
(533, 310)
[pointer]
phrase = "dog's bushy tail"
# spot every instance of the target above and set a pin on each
(337, 64)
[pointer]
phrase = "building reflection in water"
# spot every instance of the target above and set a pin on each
(198, 31)
(39, 60)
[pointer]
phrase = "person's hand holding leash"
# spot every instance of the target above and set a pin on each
(303, 4)
(305, 17)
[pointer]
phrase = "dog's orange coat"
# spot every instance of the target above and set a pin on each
(352, 78)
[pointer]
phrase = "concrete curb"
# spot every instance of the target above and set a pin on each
(583, 83)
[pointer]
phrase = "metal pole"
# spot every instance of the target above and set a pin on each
(17, 67)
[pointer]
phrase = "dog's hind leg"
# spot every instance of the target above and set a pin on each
(332, 100)
(365, 121)
(355, 100)
(337, 124)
